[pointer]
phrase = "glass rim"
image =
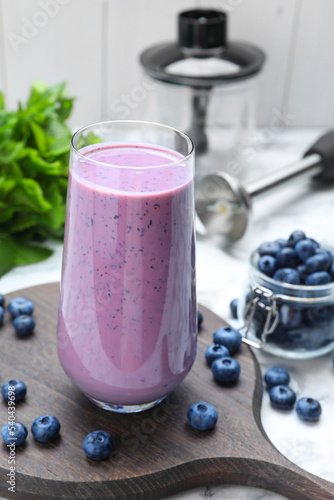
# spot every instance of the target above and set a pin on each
(81, 130)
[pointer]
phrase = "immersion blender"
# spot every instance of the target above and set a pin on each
(223, 204)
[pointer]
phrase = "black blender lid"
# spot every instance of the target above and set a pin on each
(202, 40)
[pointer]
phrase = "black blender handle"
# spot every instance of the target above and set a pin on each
(324, 147)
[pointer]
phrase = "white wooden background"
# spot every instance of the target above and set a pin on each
(94, 45)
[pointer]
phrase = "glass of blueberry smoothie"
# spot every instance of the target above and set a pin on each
(127, 325)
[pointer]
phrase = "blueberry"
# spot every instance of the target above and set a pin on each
(234, 304)
(331, 271)
(318, 278)
(45, 428)
(317, 315)
(2, 300)
(98, 445)
(303, 274)
(14, 433)
(2, 314)
(267, 265)
(296, 236)
(226, 370)
(216, 351)
(276, 375)
(229, 337)
(202, 416)
(269, 248)
(287, 257)
(329, 254)
(287, 275)
(199, 319)
(282, 397)
(20, 305)
(14, 390)
(282, 242)
(318, 262)
(308, 409)
(24, 324)
(305, 248)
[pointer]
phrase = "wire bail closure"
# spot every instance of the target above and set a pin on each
(269, 304)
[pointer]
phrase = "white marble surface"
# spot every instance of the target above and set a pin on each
(221, 276)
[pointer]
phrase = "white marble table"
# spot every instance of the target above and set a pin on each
(221, 276)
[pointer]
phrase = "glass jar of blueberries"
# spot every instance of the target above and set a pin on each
(288, 307)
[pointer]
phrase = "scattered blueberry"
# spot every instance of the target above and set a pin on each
(267, 265)
(229, 337)
(45, 428)
(226, 370)
(24, 324)
(14, 390)
(98, 445)
(216, 351)
(14, 433)
(318, 278)
(20, 305)
(287, 275)
(2, 314)
(282, 397)
(202, 416)
(308, 409)
(199, 319)
(296, 236)
(234, 304)
(269, 248)
(276, 375)
(2, 300)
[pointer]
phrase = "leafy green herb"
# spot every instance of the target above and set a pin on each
(34, 158)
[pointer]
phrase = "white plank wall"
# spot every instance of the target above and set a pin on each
(134, 26)
(54, 40)
(95, 44)
(311, 89)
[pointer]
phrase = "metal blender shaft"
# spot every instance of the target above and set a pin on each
(310, 165)
(223, 205)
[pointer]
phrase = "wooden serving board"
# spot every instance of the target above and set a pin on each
(157, 452)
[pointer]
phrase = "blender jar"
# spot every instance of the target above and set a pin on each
(206, 86)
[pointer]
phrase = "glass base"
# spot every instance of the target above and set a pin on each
(124, 408)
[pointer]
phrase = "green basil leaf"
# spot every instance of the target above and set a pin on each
(10, 151)
(15, 253)
(39, 165)
(39, 136)
(34, 163)
(28, 195)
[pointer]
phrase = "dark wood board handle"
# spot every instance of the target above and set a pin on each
(157, 452)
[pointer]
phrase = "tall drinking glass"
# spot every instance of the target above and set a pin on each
(127, 325)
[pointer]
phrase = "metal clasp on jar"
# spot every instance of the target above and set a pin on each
(264, 300)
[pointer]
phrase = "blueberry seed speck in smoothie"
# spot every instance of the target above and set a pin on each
(127, 313)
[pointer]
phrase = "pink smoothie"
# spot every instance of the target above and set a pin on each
(127, 313)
